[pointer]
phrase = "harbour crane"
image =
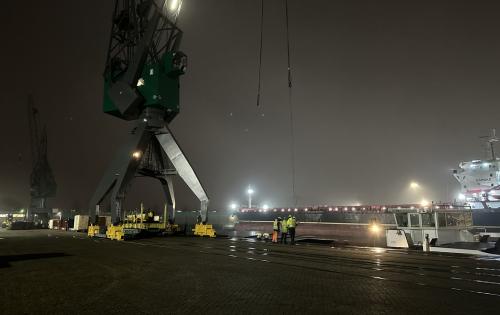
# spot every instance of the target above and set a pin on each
(141, 84)
(42, 182)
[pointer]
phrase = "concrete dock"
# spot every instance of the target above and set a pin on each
(56, 272)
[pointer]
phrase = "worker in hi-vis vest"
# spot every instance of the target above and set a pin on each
(291, 225)
(276, 229)
(284, 231)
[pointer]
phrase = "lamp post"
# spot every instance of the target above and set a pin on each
(250, 193)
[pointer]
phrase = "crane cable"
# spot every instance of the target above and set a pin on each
(260, 52)
(292, 136)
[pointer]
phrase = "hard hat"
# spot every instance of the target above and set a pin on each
(289, 215)
(279, 218)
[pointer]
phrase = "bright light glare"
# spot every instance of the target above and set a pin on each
(233, 206)
(414, 185)
(174, 4)
(424, 203)
(375, 228)
(136, 154)
(461, 196)
(250, 191)
(265, 207)
(378, 250)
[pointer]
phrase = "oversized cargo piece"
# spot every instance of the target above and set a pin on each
(81, 223)
(54, 224)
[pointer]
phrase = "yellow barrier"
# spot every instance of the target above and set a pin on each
(93, 230)
(204, 230)
(115, 232)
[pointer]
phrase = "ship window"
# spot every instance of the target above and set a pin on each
(491, 175)
(402, 219)
(414, 221)
(455, 219)
(451, 220)
(441, 219)
(427, 219)
(491, 185)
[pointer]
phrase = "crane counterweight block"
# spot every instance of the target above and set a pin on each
(126, 99)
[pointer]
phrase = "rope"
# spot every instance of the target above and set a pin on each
(292, 136)
(260, 52)
(288, 46)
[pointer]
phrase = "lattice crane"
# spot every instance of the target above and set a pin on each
(141, 83)
(42, 182)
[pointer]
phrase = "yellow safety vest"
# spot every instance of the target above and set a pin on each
(275, 225)
(291, 223)
(284, 226)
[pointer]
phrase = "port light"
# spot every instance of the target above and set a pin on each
(414, 185)
(137, 155)
(375, 228)
(424, 203)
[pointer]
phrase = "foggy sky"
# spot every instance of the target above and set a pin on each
(384, 93)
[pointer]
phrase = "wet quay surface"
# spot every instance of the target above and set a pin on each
(58, 272)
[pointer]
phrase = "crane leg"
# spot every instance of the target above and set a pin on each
(168, 188)
(120, 172)
(183, 168)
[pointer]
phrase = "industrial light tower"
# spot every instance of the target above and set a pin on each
(141, 83)
(250, 192)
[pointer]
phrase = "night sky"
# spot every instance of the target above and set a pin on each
(384, 93)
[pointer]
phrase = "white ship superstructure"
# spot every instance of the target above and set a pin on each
(480, 179)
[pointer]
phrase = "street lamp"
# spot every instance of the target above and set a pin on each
(250, 193)
(414, 185)
(424, 203)
(233, 206)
